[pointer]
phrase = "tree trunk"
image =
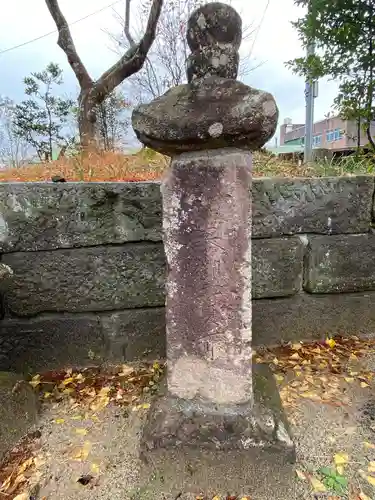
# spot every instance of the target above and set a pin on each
(358, 135)
(87, 120)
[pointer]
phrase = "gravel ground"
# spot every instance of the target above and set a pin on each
(102, 452)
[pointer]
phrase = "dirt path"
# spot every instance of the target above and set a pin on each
(93, 454)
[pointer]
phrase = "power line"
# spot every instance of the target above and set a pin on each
(55, 31)
(259, 26)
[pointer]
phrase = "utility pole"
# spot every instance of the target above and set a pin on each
(310, 94)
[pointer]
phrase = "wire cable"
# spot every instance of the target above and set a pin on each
(55, 31)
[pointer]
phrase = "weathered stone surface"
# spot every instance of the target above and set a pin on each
(86, 279)
(207, 230)
(221, 62)
(198, 422)
(277, 265)
(18, 409)
(214, 113)
(312, 317)
(342, 263)
(48, 216)
(328, 205)
(135, 334)
(214, 36)
(214, 23)
(182, 439)
(51, 342)
(36, 216)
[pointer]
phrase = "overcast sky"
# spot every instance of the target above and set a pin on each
(276, 42)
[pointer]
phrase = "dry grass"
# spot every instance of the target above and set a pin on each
(147, 165)
(108, 167)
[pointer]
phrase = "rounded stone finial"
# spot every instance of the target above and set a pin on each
(212, 24)
(214, 35)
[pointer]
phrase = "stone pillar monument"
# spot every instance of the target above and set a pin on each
(214, 399)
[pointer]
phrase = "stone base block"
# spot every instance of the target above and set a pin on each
(193, 444)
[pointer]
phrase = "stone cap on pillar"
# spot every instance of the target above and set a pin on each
(213, 110)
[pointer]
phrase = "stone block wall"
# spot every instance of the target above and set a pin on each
(89, 267)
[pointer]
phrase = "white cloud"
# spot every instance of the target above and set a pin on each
(276, 43)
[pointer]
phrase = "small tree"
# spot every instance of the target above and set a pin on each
(112, 121)
(350, 103)
(344, 34)
(40, 119)
(14, 150)
(93, 93)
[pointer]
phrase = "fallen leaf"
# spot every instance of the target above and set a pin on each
(146, 406)
(364, 384)
(330, 342)
(297, 346)
(341, 459)
(35, 381)
(83, 452)
(68, 381)
(81, 431)
(349, 379)
(371, 467)
(369, 445)
(22, 496)
(363, 496)
(95, 468)
(317, 485)
(59, 421)
(279, 378)
(295, 356)
(371, 480)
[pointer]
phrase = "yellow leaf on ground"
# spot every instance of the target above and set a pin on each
(81, 432)
(330, 342)
(59, 421)
(146, 406)
(363, 496)
(341, 458)
(216, 498)
(95, 468)
(77, 417)
(22, 496)
(317, 485)
(68, 381)
(371, 467)
(371, 480)
(297, 347)
(370, 446)
(349, 379)
(364, 384)
(35, 381)
(83, 452)
(279, 378)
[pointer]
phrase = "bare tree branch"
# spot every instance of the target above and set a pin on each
(127, 24)
(133, 60)
(65, 41)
